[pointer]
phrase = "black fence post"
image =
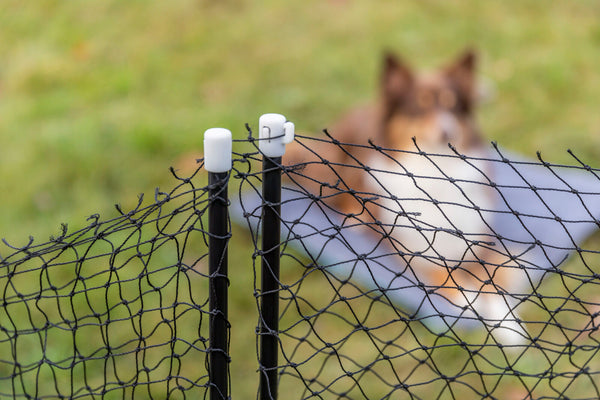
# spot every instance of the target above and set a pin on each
(274, 133)
(269, 304)
(217, 161)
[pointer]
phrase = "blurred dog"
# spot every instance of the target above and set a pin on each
(434, 108)
(433, 201)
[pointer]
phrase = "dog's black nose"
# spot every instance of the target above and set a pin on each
(446, 136)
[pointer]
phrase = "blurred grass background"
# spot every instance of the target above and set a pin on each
(99, 98)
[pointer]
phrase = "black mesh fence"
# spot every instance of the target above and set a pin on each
(115, 310)
(413, 274)
(402, 274)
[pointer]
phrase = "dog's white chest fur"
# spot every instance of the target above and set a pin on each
(435, 205)
(437, 208)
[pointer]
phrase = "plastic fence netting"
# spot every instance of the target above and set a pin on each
(403, 274)
(412, 274)
(115, 310)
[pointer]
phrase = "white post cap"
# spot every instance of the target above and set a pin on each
(217, 150)
(274, 133)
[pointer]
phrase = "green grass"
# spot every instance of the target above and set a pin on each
(98, 99)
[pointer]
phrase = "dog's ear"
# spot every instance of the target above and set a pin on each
(462, 74)
(396, 79)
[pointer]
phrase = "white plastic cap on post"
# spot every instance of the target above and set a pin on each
(274, 133)
(217, 150)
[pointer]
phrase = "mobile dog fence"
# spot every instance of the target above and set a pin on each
(137, 306)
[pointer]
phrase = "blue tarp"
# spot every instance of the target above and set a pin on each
(543, 213)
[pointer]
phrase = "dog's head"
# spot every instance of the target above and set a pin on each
(435, 108)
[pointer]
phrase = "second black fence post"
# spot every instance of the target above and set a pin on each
(274, 133)
(217, 161)
(270, 277)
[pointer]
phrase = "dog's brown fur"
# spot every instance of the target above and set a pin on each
(412, 104)
(409, 106)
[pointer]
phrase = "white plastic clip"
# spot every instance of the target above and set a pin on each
(217, 150)
(274, 133)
